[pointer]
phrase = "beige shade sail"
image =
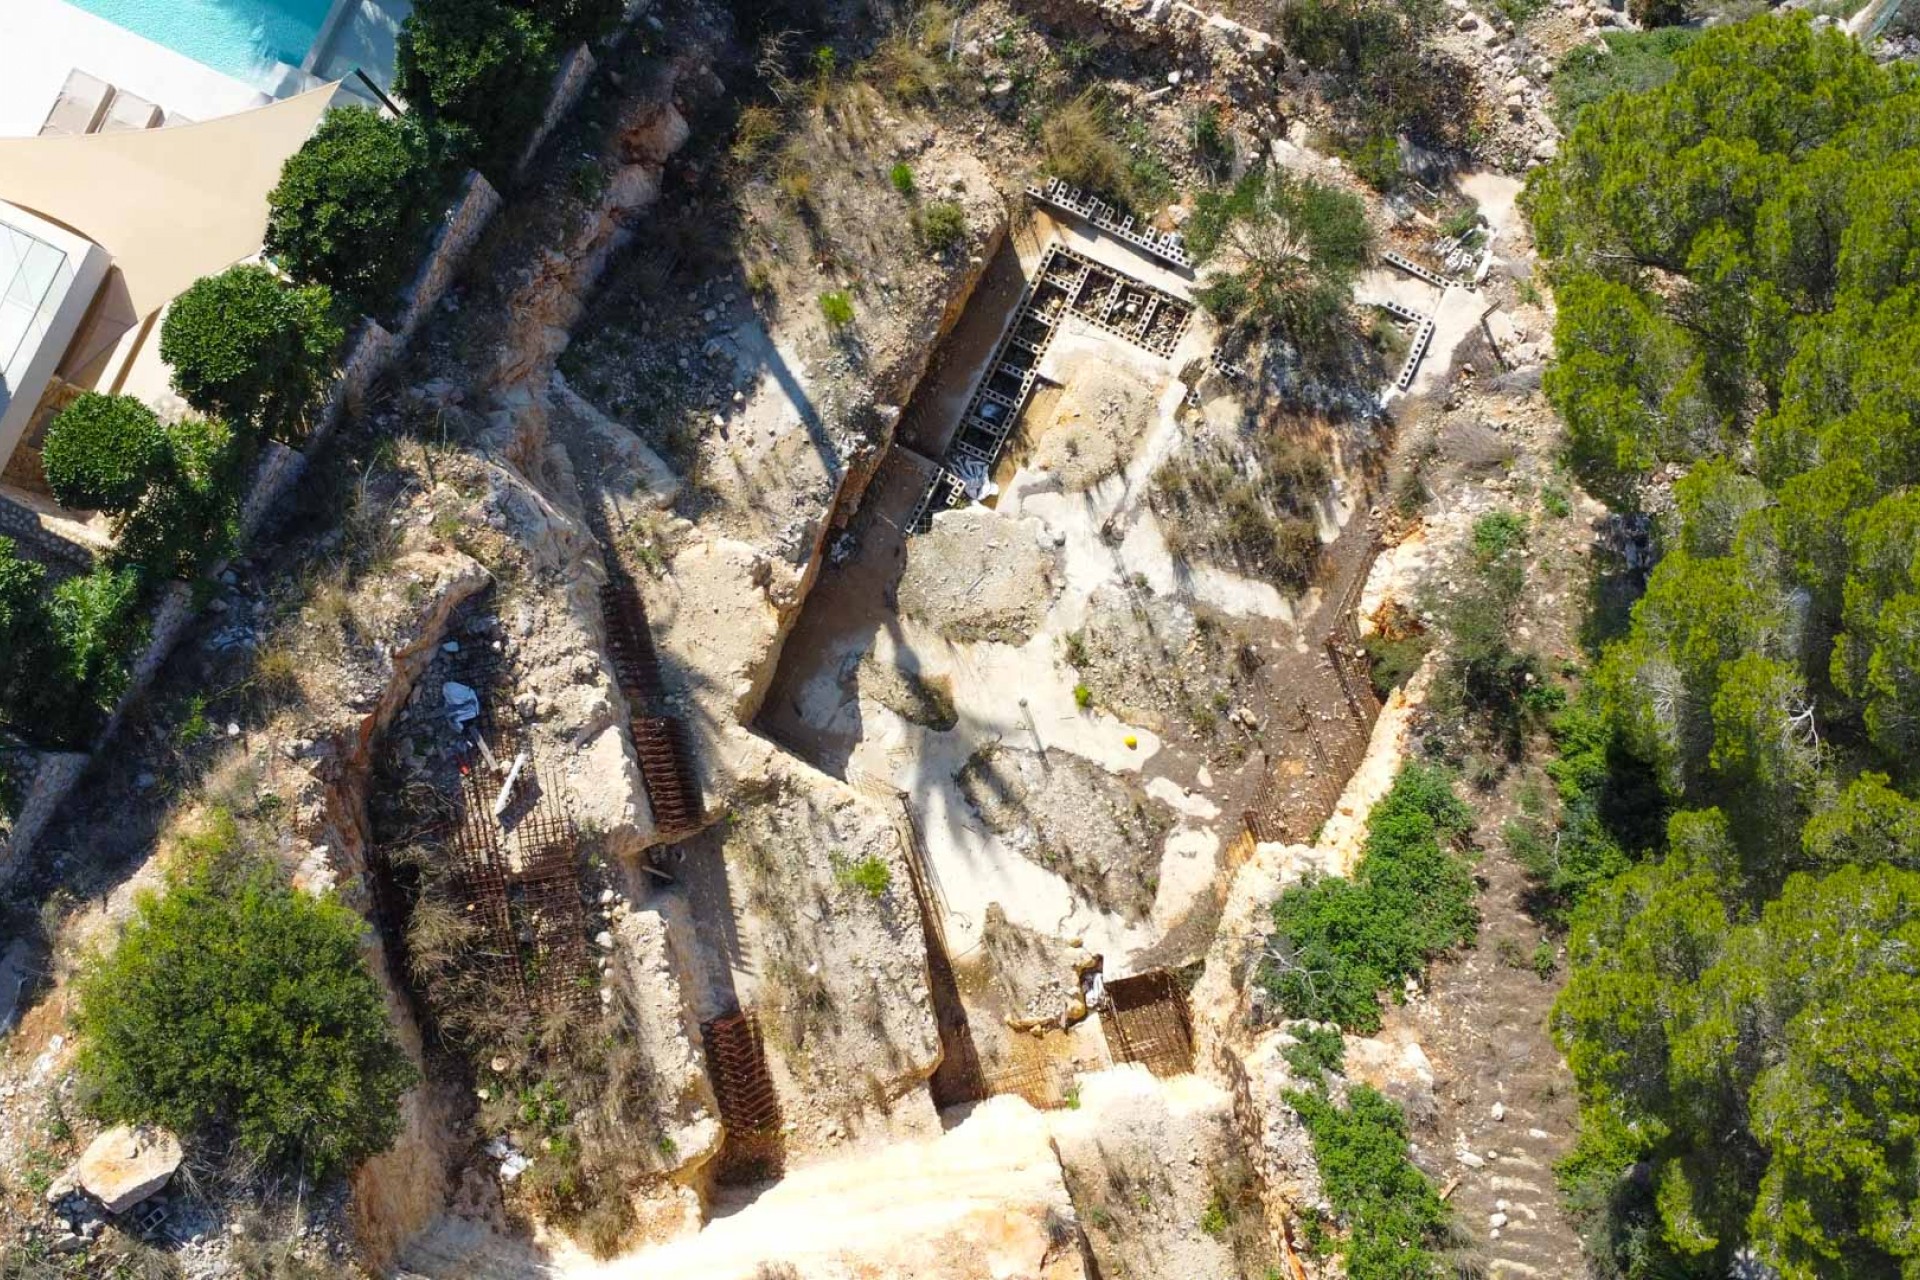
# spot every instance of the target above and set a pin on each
(169, 205)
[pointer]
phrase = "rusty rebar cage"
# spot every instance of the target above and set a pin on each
(519, 874)
(1146, 1020)
(659, 739)
(742, 1082)
(755, 1146)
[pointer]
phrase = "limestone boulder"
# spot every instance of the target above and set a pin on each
(125, 1165)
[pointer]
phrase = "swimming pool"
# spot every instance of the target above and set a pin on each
(240, 38)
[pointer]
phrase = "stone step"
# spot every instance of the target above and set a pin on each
(1499, 1182)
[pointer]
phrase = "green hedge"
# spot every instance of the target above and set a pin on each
(353, 206)
(247, 347)
(235, 1009)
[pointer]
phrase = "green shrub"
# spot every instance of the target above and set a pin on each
(575, 21)
(247, 347)
(191, 512)
(1546, 959)
(1391, 662)
(1315, 1052)
(1212, 144)
(477, 71)
(902, 178)
(871, 874)
(1630, 61)
(1497, 534)
(1395, 1221)
(66, 651)
(352, 208)
(1082, 696)
(25, 636)
(235, 1009)
(943, 225)
(97, 628)
(1376, 159)
(1657, 13)
(102, 452)
(1214, 1219)
(837, 307)
(1499, 688)
(588, 181)
(1339, 943)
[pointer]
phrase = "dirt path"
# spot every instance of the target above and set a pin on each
(1505, 1109)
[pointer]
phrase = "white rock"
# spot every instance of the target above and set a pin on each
(1496, 1220)
(125, 1165)
(603, 940)
(1499, 1111)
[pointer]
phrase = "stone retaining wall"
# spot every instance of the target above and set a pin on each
(569, 82)
(468, 217)
(53, 775)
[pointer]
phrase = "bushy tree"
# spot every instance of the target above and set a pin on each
(235, 1009)
(246, 347)
(352, 208)
(1735, 255)
(477, 71)
(1282, 254)
(1696, 221)
(1767, 1074)
(102, 452)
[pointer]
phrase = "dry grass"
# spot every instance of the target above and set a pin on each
(912, 64)
(1078, 141)
(753, 133)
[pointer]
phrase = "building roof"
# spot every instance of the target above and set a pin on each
(168, 205)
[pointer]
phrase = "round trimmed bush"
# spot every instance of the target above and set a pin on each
(102, 452)
(237, 1010)
(353, 205)
(477, 71)
(247, 347)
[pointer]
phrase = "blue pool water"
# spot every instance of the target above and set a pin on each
(237, 37)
